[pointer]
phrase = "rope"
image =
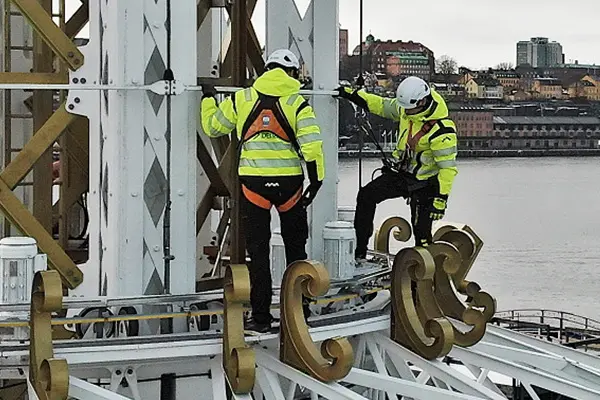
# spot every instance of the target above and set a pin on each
(359, 84)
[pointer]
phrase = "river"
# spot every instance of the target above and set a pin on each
(539, 219)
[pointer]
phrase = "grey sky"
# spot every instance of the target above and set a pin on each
(476, 33)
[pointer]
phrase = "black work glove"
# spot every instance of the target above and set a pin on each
(310, 193)
(438, 207)
(352, 95)
(315, 184)
(208, 90)
(390, 167)
(344, 92)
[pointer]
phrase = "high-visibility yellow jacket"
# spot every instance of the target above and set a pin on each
(434, 153)
(268, 154)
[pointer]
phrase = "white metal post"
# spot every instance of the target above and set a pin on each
(314, 38)
(325, 74)
(129, 149)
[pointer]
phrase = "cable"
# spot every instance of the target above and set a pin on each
(359, 84)
(168, 76)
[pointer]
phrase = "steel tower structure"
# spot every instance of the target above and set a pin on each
(147, 312)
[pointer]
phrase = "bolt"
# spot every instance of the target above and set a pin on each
(71, 106)
(130, 371)
(134, 194)
(70, 272)
(75, 80)
(118, 372)
(83, 80)
(70, 54)
(77, 100)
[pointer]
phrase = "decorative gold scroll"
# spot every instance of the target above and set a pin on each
(481, 307)
(238, 358)
(420, 327)
(382, 236)
(296, 348)
(48, 375)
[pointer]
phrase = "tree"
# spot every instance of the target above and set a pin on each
(505, 66)
(446, 65)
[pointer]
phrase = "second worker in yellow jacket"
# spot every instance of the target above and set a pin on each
(277, 128)
(425, 157)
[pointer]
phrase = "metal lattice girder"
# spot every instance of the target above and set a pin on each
(34, 78)
(328, 390)
(507, 337)
(368, 379)
(449, 375)
(54, 37)
(37, 146)
(18, 214)
(527, 374)
(553, 364)
(82, 390)
(26, 223)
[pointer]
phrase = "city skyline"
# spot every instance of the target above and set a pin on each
(455, 29)
(458, 33)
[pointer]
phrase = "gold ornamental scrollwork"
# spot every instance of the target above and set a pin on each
(418, 325)
(335, 358)
(238, 357)
(48, 375)
(481, 306)
(402, 233)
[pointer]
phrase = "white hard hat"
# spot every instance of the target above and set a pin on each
(411, 91)
(283, 57)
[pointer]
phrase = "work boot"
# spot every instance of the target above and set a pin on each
(252, 325)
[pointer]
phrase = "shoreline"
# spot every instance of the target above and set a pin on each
(490, 153)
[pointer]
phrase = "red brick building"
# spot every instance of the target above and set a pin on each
(473, 121)
(343, 43)
(398, 58)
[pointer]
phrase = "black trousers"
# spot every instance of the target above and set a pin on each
(391, 186)
(260, 193)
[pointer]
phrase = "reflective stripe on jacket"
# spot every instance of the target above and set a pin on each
(435, 152)
(268, 154)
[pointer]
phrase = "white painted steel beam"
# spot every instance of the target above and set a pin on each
(513, 339)
(270, 384)
(327, 390)
(402, 387)
(82, 390)
(526, 374)
(436, 368)
(558, 366)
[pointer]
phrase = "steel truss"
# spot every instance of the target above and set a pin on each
(381, 366)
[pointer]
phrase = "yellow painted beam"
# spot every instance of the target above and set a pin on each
(37, 146)
(78, 20)
(54, 37)
(21, 218)
(33, 78)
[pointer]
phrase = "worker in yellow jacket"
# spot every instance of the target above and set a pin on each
(277, 128)
(424, 164)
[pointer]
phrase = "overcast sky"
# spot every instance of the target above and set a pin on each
(477, 33)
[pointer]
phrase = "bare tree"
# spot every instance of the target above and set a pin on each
(446, 65)
(505, 66)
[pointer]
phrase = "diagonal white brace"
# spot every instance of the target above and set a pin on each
(82, 390)
(402, 387)
(327, 390)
